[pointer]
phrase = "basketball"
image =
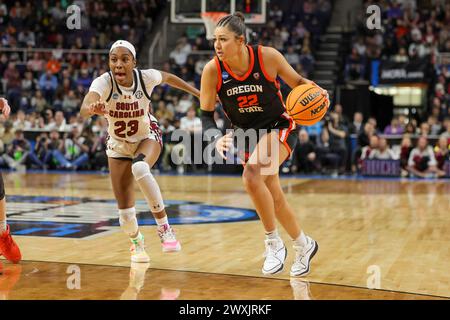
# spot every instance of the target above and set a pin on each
(306, 104)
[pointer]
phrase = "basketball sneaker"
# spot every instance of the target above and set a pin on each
(168, 240)
(8, 247)
(303, 256)
(137, 250)
(275, 255)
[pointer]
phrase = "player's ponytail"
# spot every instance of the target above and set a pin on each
(235, 22)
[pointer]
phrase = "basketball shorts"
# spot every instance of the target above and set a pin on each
(121, 149)
(287, 135)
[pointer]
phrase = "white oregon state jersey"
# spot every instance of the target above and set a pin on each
(128, 109)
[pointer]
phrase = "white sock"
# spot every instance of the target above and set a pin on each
(138, 238)
(272, 235)
(2, 226)
(162, 221)
(301, 240)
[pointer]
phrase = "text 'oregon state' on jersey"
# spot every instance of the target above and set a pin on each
(253, 100)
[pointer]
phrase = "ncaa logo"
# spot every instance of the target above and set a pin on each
(138, 94)
(225, 75)
(115, 96)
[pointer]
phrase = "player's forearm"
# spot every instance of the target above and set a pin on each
(174, 81)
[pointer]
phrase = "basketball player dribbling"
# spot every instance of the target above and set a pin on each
(122, 95)
(8, 247)
(245, 78)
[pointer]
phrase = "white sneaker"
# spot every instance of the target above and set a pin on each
(169, 242)
(137, 250)
(275, 256)
(303, 256)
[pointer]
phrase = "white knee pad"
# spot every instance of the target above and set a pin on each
(140, 169)
(148, 185)
(128, 221)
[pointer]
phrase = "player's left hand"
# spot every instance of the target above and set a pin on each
(4, 107)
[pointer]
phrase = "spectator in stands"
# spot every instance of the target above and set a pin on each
(314, 131)
(21, 123)
(328, 159)
(13, 85)
(338, 132)
(410, 128)
(424, 129)
(434, 125)
(367, 151)
(383, 152)
(70, 103)
(59, 123)
(49, 119)
(421, 162)
(395, 128)
(343, 119)
(354, 67)
(304, 155)
(48, 83)
(307, 61)
(291, 56)
(405, 150)
(441, 152)
(191, 123)
(183, 105)
(162, 112)
(357, 124)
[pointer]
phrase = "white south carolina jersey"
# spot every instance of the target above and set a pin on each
(128, 109)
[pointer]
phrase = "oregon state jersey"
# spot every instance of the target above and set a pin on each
(128, 109)
(253, 100)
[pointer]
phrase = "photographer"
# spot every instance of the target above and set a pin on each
(338, 132)
(73, 153)
(18, 152)
(42, 155)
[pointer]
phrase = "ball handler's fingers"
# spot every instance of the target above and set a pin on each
(6, 109)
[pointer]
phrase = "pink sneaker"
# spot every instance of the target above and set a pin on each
(168, 240)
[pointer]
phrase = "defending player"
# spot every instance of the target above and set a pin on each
(244, 77)
(122, 95)
(8, 248)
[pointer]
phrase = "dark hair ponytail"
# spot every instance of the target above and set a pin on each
(235, 22)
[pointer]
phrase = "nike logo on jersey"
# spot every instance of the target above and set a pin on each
(227, 81)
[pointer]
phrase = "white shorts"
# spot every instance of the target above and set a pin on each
(123, 149)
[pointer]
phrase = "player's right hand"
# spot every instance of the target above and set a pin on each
(224, 144)
(4, 107)
(98, 107)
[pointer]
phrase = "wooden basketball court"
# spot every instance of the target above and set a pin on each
(388, 234)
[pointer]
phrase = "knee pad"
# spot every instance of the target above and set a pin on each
(2, 188)
(140, 168)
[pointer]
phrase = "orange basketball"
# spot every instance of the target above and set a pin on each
(306, 104)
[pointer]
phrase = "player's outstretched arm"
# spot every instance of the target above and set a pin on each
(208, 99)
(273, 57)
(92, 104)
(176, 82)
